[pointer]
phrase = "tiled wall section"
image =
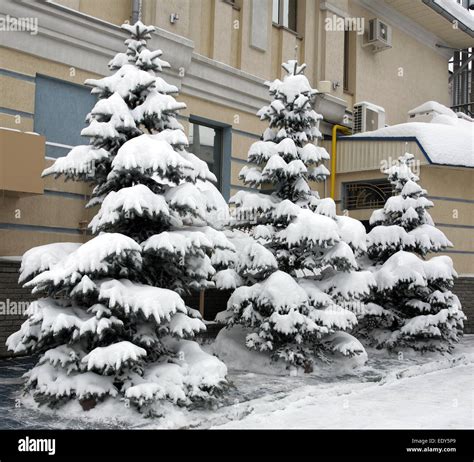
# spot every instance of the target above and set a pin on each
(12, 297)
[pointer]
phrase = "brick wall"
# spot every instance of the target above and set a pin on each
(13, 297)
(11, 293)
(464, 289)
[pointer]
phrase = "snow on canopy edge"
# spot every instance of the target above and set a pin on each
(456, 10)
(438, 142)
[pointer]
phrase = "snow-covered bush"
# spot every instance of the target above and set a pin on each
(412, 305)
(111, 319)
(404, 222)
(295, 254)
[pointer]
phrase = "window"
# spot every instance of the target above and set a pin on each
(276, 11)
(234, 3)
(349, 60)
(346, 60)
(284, 13)
(370, 194)
(60, 112)
(206, 143)
(464, 3)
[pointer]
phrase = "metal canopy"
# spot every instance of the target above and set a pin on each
(434, 19)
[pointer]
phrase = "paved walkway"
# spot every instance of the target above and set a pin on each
(13, 415)
(257, 399)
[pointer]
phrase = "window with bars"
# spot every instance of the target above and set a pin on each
(370, 194)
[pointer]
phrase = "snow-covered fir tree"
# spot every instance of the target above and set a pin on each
(132, 101)
(296, 257)
(111, 322)
(413, 305)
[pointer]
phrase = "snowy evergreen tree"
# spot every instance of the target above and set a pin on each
(296, 257)
(111, 321)
(132, 101)
(412, 305)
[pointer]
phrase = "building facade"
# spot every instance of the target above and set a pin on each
(221, 52)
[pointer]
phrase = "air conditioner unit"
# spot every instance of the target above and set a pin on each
(380, 35)
(367, 117)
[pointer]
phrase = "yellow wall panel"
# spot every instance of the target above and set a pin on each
(16, 242)
(114, 11)
(396, 78)
(31, 65)
(16, 94)
(456, 213)
(44, 210)
(241, 145)
(236, 167)
(10, 121)
(58, 184)
(462, 239)
(240, 120)
(450, 182)
(463, 263)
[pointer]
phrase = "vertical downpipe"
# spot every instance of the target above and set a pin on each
(136, 11)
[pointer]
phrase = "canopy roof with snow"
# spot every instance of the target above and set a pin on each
(446, 140)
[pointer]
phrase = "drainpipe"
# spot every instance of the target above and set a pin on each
(136, 11)
(335, 129)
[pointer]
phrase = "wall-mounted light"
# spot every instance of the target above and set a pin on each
(174, 17)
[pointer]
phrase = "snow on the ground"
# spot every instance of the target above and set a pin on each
(389, 391)
(229, 346)
(441, 399)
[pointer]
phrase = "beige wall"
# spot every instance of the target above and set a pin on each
(221, 31)
(19, 95)
(374, 76)
(454, 217)
(211, 25)
(21, 162)
(240, 120)
(453, 183)
(43, 210)
(424, 73)
(331, 51)
(31, 65)
(114, 11)
(49, 210)
(15, 243)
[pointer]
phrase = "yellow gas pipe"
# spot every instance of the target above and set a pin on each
(335, 129)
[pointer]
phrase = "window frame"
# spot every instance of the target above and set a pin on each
(280, 21)
(46, 98)
(349, 61)
(346, 61)
(233, 3)
(223, 160)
